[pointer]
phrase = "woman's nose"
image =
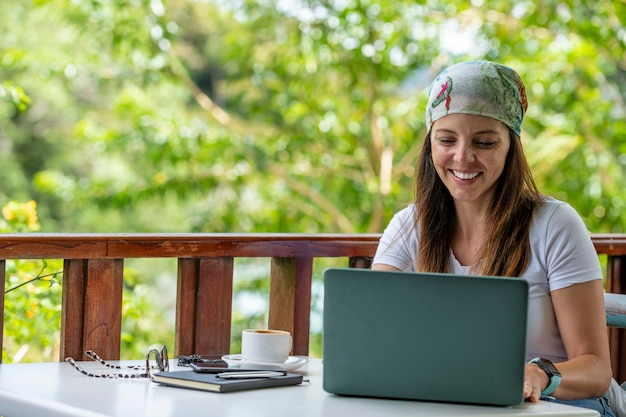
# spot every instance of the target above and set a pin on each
(464, 154)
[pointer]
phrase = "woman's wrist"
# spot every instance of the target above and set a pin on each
(551, 377)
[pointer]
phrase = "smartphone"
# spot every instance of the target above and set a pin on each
(209, 367)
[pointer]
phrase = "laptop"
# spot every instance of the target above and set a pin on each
(424, 336)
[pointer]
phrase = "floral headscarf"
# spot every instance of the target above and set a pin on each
(479, 88)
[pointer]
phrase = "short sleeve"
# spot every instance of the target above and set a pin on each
(569, 252)
(398, 244)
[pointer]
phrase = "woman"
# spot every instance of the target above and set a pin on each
(477, 211)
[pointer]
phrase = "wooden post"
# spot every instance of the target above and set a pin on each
(103, 307)
(92, 308)
(204, 306)
(616, 283)
(290, 299)
(186, 300)
(214, 305)
(72, 310)
(3, 274)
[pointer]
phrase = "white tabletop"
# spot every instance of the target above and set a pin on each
(57, 389)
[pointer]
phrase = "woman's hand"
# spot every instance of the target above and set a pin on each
(535, 381)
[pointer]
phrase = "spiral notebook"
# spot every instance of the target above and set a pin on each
(430, 337)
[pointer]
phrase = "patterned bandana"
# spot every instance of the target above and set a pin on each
(480, 88)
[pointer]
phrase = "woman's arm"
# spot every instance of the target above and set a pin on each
(581, 319)
(384, 267)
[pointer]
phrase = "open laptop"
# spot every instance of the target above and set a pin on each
(424, 336)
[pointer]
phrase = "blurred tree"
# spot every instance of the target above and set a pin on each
(291, 116)
(287, 116)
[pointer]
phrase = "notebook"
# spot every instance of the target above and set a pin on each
(211, 382)
(424, 336)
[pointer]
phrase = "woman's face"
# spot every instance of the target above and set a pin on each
(469, 153)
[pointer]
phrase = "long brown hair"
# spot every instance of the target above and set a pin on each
(507, 249)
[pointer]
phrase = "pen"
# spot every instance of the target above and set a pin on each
(250, 374)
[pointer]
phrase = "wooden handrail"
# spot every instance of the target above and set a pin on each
(93, 271)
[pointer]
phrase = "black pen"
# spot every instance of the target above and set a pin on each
(218, 370)
(250, 374)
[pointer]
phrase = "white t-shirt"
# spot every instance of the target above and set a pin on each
(562, 255)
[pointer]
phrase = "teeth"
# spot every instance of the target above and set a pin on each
(465, 175)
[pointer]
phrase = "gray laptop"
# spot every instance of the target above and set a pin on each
(430, 337)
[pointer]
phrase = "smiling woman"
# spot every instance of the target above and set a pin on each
(477, 211)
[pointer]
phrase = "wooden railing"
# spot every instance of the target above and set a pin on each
(93, 279)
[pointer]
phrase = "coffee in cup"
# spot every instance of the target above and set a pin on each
(266, 346)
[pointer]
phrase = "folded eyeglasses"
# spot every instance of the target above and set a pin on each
(161, 362)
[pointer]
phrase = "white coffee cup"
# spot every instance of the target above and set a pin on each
(267, 346)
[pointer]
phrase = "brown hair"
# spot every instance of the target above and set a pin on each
(507, 249)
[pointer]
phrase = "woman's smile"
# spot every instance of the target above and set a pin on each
(465, 175)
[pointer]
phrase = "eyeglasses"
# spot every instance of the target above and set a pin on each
(160, 358)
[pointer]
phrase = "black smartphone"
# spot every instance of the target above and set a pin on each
(209, 367)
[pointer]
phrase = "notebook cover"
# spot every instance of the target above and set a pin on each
(210, 382)
(432, 337)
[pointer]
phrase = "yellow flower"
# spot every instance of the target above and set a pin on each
(22, 215)
(30, 208)
(8, 212)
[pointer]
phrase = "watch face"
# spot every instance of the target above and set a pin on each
(548, 367)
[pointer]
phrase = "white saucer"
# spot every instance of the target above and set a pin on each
(293, 362)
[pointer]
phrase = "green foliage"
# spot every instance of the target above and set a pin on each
(14, 95)
(32, 311)
(145, 321)
(303, 116)
(260, 116)
(32, 295)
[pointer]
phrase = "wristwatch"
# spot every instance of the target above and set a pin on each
(553, 374)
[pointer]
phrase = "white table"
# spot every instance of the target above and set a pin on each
(57, 389)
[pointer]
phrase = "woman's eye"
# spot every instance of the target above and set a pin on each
(446, 141)
(485, 144)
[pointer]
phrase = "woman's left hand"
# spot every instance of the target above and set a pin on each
(535, 380)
